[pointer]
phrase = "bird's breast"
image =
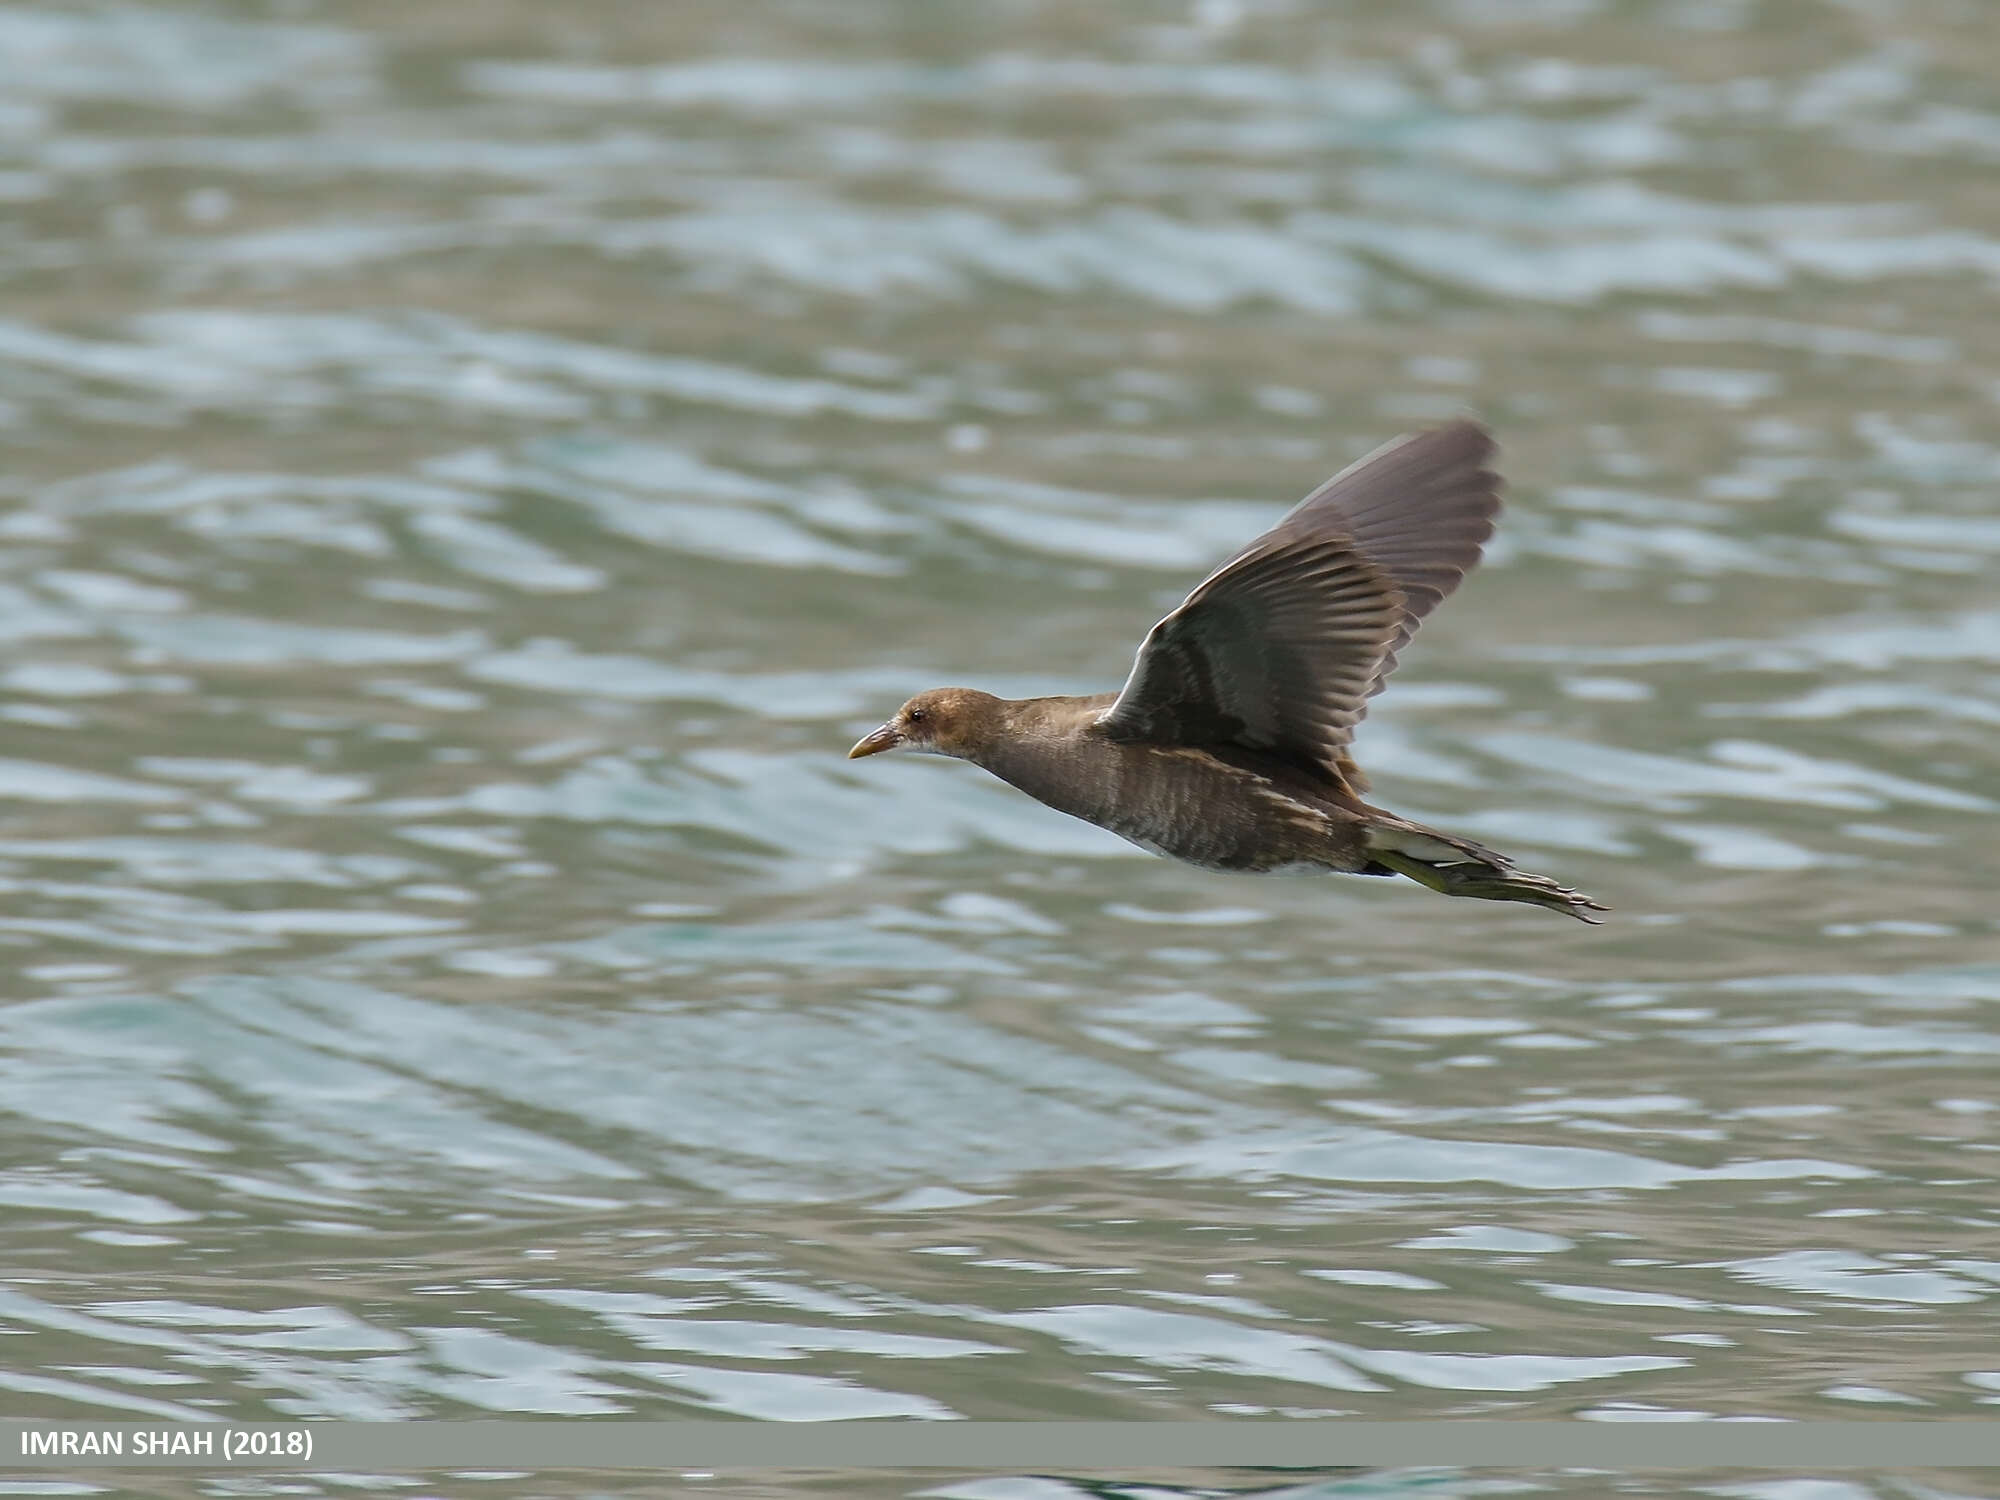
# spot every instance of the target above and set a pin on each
(1184, 803)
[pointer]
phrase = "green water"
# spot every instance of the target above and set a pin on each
(471, 469)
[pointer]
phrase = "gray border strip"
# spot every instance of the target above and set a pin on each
(1010, 1447)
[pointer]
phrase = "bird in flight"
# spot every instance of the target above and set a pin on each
(1227, 747)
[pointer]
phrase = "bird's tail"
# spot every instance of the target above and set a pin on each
(1458, 867)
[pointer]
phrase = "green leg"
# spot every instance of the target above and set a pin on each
(1486, 882)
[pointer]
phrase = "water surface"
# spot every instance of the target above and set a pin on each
(472, 469)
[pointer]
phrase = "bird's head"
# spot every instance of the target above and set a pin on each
(944, 721)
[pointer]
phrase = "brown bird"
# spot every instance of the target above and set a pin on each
(1228, 745)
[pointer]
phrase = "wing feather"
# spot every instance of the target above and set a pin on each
(1421, 508)
(1281, 647)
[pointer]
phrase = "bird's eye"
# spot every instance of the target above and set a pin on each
(918, 715)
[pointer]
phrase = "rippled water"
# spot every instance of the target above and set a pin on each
(472, 469)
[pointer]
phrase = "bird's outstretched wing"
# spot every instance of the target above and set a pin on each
(1281, 647)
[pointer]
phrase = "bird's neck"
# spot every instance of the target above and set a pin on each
(1050, 752)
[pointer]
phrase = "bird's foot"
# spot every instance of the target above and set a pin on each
(1489, 882)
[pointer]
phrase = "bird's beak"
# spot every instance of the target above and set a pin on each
(888, 737)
